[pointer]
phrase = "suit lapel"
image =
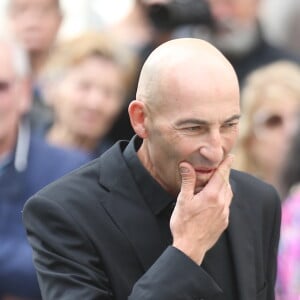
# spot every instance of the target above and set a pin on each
(242, 247)
(128, 209)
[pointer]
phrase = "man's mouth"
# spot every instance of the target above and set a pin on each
(204, 170)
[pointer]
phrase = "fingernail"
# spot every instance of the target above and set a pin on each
(184, 170)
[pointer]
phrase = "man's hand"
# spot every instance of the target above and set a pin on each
(198, 220)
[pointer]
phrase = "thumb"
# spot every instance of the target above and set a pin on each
(188, 179)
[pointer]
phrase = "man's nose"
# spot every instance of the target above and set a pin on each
(212, 148)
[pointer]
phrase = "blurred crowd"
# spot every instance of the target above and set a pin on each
(63, 102)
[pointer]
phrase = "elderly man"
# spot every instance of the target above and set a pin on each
(35, 23)
(156, 218)
(27, 164)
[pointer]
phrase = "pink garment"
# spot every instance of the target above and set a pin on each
(288, 277)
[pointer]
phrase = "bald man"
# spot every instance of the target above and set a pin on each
(162, 216)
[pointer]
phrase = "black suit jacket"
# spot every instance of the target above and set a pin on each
(94, 237)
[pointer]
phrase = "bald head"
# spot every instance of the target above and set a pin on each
(178, 59)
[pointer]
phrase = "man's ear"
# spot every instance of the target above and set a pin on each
(137, 117)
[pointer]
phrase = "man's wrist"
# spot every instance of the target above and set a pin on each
(195, 254)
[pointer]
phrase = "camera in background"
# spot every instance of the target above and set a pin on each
(167, 16)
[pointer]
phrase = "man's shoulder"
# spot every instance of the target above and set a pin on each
(83, 182)
(76, 193)
(248, 180)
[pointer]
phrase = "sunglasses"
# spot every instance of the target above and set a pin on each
(266, 122)
(5, 86)
(269, 120)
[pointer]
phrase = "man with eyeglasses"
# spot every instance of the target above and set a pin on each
(35, 23)
(27, 164)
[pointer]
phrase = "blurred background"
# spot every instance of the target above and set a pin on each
(80, 15)
(69, 68)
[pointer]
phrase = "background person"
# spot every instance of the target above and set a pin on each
(288, 279)
(85, 81)
(237, 32)
(270, 104)
(35, 24)
(27, 164)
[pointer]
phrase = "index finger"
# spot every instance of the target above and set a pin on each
(221, 175)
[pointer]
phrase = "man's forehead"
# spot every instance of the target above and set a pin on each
(200, 111)
(208, 121)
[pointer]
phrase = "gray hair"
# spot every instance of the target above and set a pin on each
(19, 56)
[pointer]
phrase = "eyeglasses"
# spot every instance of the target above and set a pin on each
(268, 122)
(5, 86)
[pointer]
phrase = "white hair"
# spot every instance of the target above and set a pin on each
(20, 56)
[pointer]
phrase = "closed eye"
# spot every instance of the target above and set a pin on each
(195, 129)
(230, 125)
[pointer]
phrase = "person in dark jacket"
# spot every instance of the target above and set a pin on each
(162, 217)
(238, 34)
(27, 163)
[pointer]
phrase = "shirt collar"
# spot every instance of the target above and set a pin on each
(23, 145)
(156, 197)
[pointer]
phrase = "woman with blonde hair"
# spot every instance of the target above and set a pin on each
(86, 81)
(270, 104)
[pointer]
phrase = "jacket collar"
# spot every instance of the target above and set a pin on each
(128, 208)
(242, 246)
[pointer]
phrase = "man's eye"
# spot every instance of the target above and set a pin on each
(229, 125)
(194, 129)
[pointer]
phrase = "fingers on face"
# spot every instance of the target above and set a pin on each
(221, 175)
(188, 179)
(218, 190)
